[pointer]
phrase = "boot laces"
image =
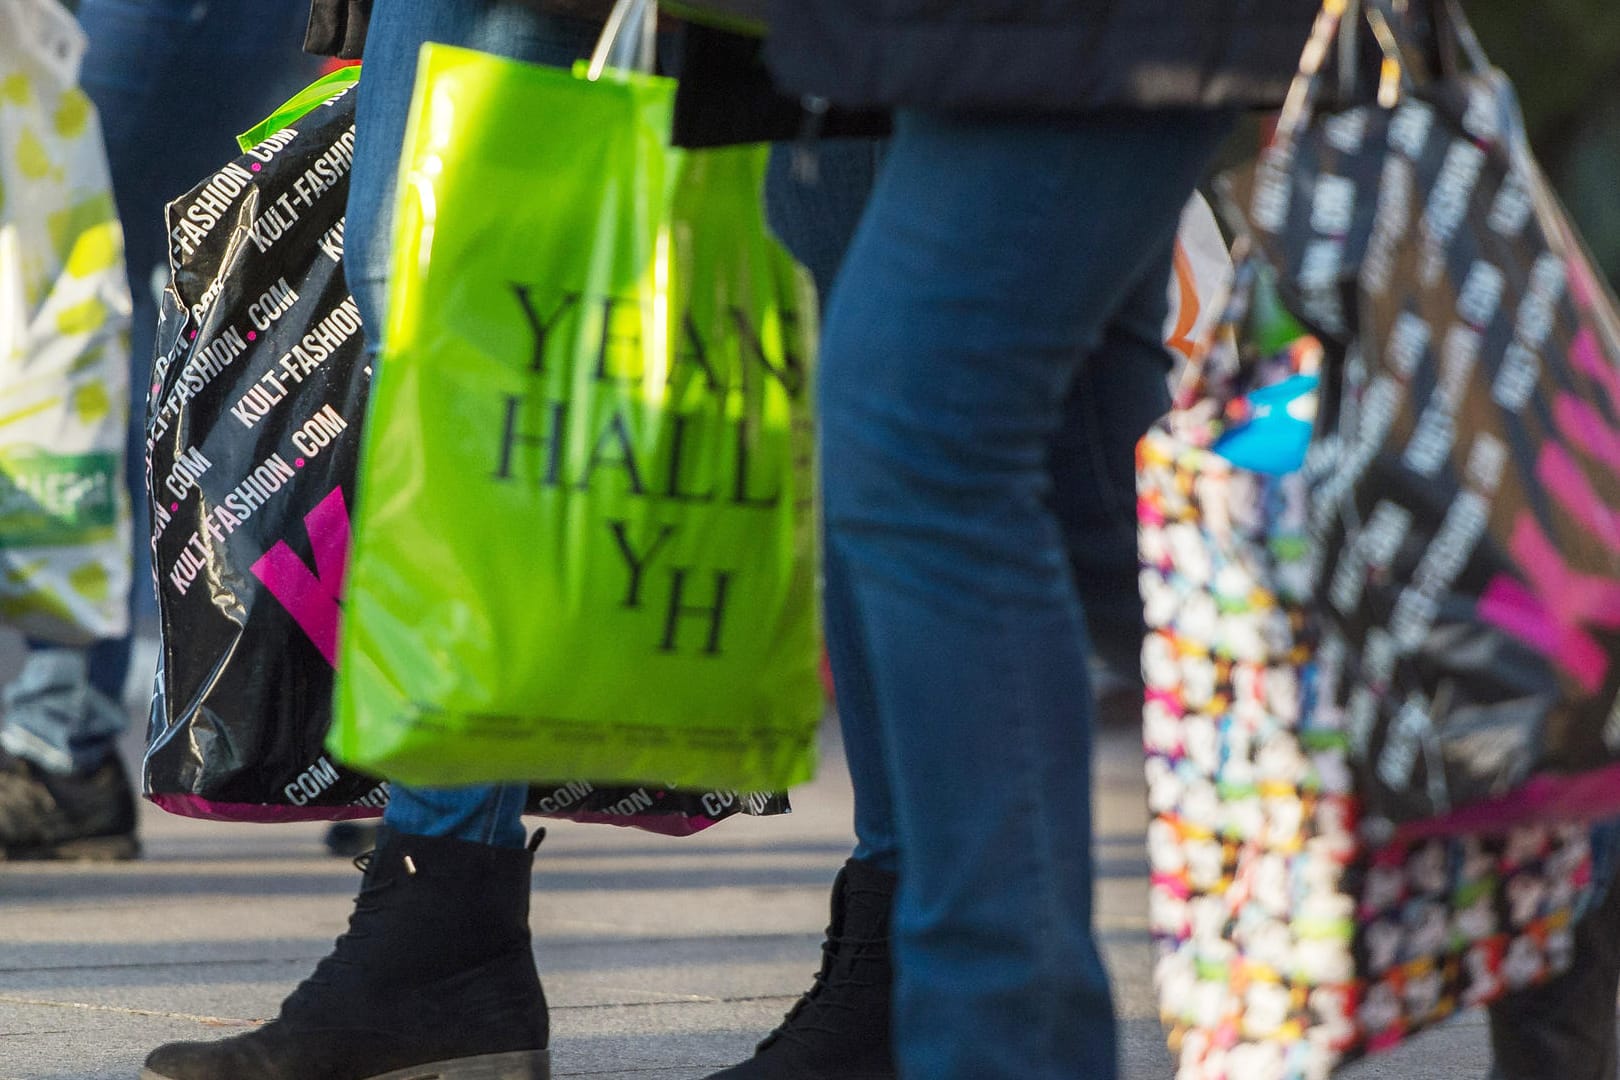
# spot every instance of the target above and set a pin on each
(365, 904)
(841, 957)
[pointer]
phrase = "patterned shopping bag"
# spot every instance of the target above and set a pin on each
(1291, 941)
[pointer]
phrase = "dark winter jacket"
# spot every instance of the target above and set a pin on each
(1038, 55)
(732, 14)
(338, 27)
(727, 96)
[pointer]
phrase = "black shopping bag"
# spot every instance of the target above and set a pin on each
(259, 393)
(1464, 481)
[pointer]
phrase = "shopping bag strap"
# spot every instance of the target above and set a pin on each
(1406, 65)
(629, 40)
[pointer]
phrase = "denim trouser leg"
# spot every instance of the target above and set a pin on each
(65, 709)
(1119, 391)
(173, 81)
(994, 261)
(55, 715)
(489, 814)
(815, 220)
(1093, 462)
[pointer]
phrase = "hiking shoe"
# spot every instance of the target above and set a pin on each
(87, 817)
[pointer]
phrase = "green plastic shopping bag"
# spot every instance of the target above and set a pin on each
(584, 542)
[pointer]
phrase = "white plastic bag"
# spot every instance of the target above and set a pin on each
(1199, 284)
(64, 343)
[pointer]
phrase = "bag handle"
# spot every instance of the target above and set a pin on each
(1219, 375)
(1404, 67)
(1457, 24)
(629, 40)
(1336, 25)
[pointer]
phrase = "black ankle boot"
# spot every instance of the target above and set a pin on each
(839, 1030)
(434, 980)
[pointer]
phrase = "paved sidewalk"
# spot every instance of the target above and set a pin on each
(662, 958)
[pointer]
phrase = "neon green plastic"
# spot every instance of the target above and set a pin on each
(290, 111)
(584, 542)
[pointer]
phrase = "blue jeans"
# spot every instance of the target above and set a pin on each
(1001, 265)
(174, 81)
(488, 814)
(1092, 460)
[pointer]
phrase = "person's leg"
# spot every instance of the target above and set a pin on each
(64, 793)
(839, 1029)
(1093, 463)
(1566, 1028)
(816, 221)
(815, 217)
(437, 969)
(174, 82)
(1117, 395)
(491, 814)
(399, 28)
(990, 265)
(55, 715)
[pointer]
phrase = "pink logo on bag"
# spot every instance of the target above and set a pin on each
(1553, 607)
(311, 597)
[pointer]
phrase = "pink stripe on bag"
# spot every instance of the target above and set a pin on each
(1558, 471)
(1582, 425)
(195, 806)
(1551, 613)
(1587, 355)
(1544, 799)
(311, 598)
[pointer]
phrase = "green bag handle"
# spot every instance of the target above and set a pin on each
(629, 40)
(299, 105)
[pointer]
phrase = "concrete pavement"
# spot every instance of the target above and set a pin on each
(662, 958)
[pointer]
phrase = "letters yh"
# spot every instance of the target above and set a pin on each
(539, 453)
